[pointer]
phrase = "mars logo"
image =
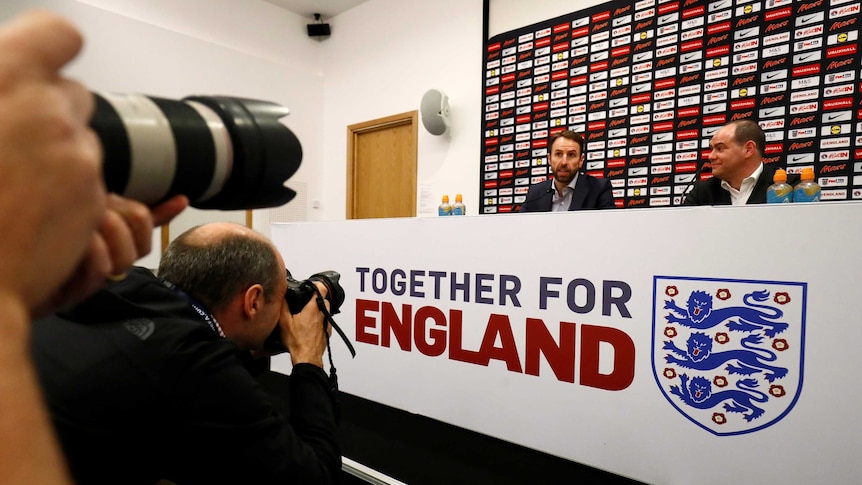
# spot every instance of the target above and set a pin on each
(728, 354)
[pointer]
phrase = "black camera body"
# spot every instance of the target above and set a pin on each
(299, 293)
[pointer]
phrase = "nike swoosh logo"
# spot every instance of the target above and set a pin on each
(719, 5)
(640, 88)
(640, 57)
(805, 58)
(617, 102)
(688, 57)
(769, 112)
(796, 159)
(772, 76)
(834, 117)
(710, 109)
(805, 20)
(661, 137)
(580, 22)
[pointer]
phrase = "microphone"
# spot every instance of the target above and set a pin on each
(541, 195)
(691, 183)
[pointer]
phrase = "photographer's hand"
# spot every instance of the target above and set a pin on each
(303, 333)
(52, 200)
(52, 197)
(124, 237)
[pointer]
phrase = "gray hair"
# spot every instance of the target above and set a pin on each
(215, 272)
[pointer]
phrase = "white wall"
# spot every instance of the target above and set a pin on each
(384, 54)
(174, 49)
(506, 15)
(382, 57)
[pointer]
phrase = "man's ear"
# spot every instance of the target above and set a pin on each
(253, 300)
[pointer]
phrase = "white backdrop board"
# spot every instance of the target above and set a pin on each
(591, 344)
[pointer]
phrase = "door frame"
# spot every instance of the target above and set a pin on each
(353, 131)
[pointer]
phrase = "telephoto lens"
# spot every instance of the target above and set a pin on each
(221, 152)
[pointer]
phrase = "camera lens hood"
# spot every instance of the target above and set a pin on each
(222, 152)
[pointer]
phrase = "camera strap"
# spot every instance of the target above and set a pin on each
(197, 307)
(327, 318)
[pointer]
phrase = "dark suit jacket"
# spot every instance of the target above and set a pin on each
(709, 192)
(590, 193)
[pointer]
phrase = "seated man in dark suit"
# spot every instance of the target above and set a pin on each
(569, 189)
(739, 176)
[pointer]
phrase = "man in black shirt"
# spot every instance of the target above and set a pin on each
(144, 379)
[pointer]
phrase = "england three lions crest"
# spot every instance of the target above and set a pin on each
(729, 354)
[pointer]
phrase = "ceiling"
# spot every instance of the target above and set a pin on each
(307, 8)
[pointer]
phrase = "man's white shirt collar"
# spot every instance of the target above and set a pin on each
(740, 197)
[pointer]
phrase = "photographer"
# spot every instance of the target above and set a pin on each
(144, 379)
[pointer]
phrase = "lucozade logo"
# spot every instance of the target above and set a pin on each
(728, 354)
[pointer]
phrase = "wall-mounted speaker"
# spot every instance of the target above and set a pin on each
(435, 111)
(318, 30)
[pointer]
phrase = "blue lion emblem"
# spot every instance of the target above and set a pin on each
(728, 354)
(700, 314)
(699, 356)
(698, 394)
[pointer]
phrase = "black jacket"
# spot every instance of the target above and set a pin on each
(140, 388)
(590, 193)
(709, 192)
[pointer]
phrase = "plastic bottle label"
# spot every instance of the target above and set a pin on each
(806, 193)
(779, 195)
(444, 210)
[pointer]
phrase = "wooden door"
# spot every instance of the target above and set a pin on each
(381, 167)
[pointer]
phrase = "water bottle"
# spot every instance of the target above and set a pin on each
(459, 209)
(445, 209)
(807, 190)
(780, 191)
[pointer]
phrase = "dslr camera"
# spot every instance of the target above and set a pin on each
(299, 293)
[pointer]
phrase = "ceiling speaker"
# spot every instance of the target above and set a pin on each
(435, 111)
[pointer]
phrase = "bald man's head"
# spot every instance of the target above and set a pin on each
(215, 262)
(210, 233)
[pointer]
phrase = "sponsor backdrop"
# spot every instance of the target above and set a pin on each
(649, 82)
(688, 354)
